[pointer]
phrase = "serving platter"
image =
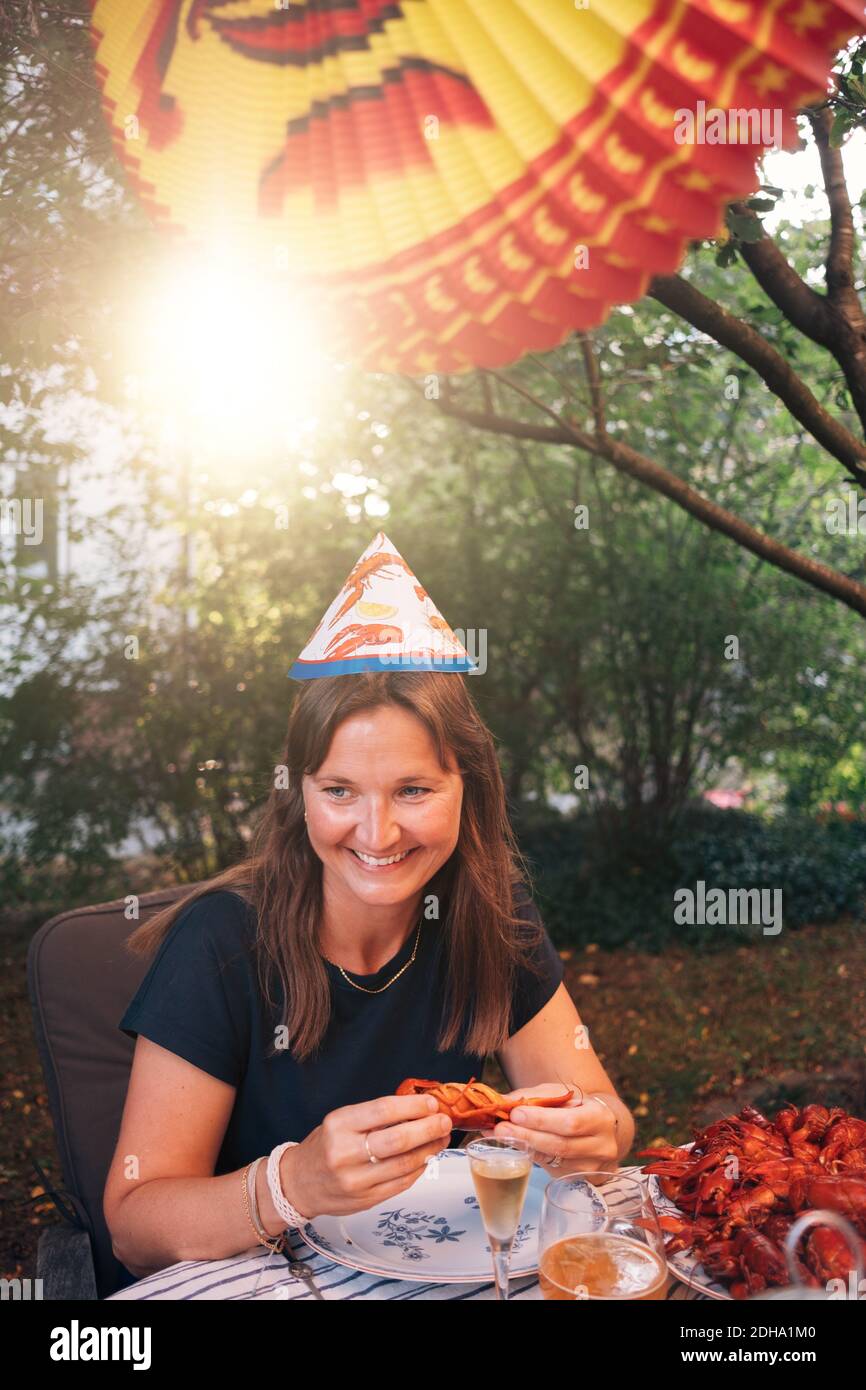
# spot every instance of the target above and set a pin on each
(683, 1265)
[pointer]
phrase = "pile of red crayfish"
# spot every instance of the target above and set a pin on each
(745, 1179)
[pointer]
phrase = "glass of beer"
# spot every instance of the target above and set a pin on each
(609, 1249)
(500, 1170)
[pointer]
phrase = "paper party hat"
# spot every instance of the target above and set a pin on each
(381, 620)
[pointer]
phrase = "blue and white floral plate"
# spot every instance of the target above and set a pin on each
(433, 1231)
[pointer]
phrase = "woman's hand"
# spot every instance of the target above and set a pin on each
(330, 1172)
(582, 1134)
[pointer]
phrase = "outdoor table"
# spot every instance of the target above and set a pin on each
(258, 1273)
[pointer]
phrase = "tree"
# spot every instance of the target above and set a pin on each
(567, 414)
(606, 642)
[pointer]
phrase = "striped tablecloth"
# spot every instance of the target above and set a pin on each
(258, 1273)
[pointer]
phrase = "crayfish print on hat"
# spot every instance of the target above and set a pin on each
(457, 182)
(381, 620)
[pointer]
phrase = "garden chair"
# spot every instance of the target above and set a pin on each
(80, 979)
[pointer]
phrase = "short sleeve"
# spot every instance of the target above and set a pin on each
(195, 998)
(532, 991)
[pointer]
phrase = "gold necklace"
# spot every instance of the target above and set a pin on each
(363, 988)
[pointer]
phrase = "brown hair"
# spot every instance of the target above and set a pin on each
(281, 875)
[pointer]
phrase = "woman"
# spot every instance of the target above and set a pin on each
(380, 928)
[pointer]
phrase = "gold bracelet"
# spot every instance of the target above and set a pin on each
(275, 1245)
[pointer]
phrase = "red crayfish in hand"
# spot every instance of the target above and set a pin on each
(471, 1104)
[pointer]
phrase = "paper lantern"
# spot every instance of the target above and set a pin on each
(458, 181)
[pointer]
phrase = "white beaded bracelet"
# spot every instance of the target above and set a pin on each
(285, 1210)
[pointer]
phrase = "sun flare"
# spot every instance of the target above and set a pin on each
(228, 361)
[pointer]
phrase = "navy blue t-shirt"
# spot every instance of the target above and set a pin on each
(201, 1000)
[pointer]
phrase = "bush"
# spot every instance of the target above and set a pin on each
(586, 897)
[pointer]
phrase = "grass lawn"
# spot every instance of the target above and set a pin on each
(677, 1032)
(677, 1029)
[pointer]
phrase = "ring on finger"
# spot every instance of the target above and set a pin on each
(372, 1157)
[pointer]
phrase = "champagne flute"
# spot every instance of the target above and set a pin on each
(500, 1171)
(591, 1249)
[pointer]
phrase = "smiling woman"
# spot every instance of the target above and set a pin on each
(381, 834)
(382, 927)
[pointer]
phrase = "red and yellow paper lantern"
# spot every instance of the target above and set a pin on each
(460, 181)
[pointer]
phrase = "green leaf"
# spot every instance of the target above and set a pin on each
(839, 128)
(745, 228)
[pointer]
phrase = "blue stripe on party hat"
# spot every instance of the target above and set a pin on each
(381, 620)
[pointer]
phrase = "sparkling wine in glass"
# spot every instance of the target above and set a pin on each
(500, 1171)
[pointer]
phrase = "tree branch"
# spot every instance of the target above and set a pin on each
(835, 321)
(848, 344)
(635, 465)
(840, 255)
(594, 382)
(752, 348)
(802, 306)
